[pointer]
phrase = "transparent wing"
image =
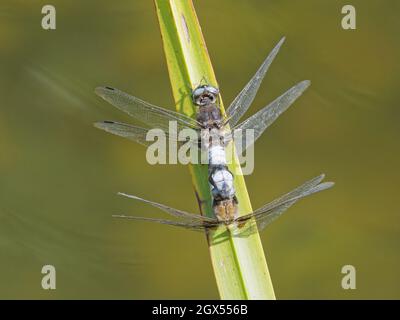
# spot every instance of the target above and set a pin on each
(266, 116)
(307, 188)
(135, 133)
(195, 226)
(244, 99)
(271, 211)
(145, 112)
(263, 221)
(171, 211)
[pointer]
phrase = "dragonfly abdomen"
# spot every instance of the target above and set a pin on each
(220, 178)
(221, 181)
(216, 155)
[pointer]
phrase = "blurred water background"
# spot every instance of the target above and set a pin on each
(59, 175)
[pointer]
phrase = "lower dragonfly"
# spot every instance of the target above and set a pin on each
(262, 216)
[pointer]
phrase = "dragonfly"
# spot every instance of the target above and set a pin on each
(215, 131)
(158, 117)
(262, 216)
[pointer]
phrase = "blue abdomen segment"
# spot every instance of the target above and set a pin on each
(221, 180)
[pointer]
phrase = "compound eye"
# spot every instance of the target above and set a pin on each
(213, 90)
(198, 92)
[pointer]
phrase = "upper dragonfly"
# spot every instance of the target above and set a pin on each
(157, 117)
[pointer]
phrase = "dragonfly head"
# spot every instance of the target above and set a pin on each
(204, 95)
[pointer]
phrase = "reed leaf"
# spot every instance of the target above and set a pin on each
(239, 263)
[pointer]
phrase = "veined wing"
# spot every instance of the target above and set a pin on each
(145, 112)
(195, 226)
(271, 211)
(134, 133)
(303, 190)
(244, 99)
(130, 132)
(188, 220)
(264, 220)
(263, 216)
(171, 211)
(266, 116)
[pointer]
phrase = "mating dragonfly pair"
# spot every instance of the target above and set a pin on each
(209, 120)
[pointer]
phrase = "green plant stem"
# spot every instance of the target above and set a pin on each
(239, 263)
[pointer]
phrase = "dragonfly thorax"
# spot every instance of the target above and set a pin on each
(209, 116)
(226, 211)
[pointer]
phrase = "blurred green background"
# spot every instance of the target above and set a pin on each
(59, 175)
